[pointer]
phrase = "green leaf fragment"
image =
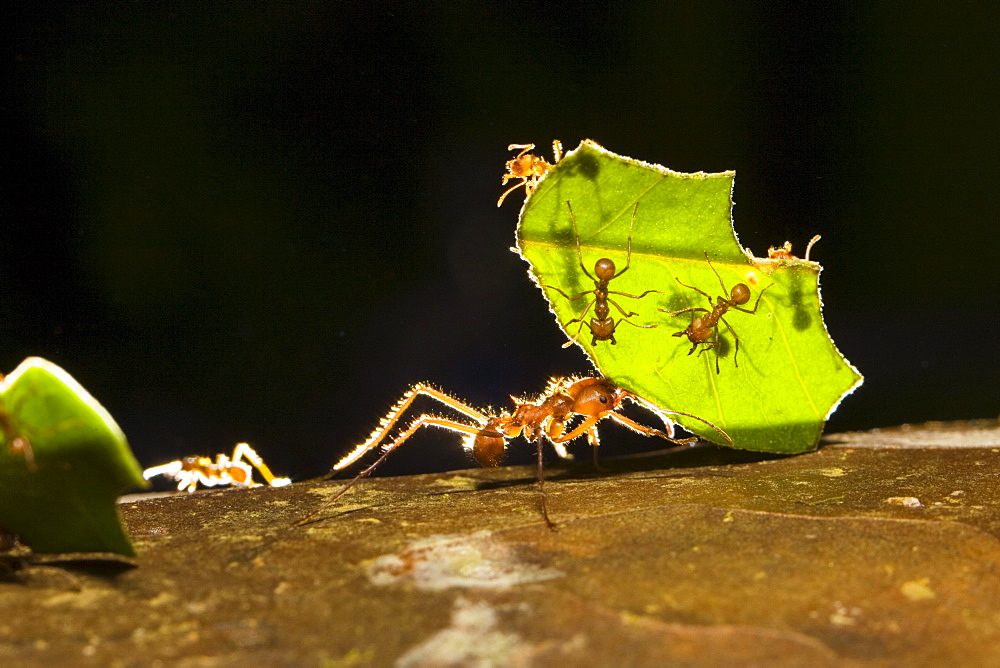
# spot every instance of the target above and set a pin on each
(790, 376)
(63, 463)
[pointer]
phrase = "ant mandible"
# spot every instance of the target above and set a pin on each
(602, 326)
(188, 472)
(785, 252)
(528, 167)
(703, 328)
(485, 436)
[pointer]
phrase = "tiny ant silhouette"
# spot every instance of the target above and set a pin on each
(785, 252)
(17, 443)
(703, 328)
(485, 435)
(602, 325)
(188, 472)
(528, 167)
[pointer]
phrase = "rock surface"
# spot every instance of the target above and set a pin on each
(879, 549)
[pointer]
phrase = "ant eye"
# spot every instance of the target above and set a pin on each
(604, 400)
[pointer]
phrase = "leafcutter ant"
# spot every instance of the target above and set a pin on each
(602, 325)
(544, 418)
(528, 167)
(703, 328)
(17, 443)
(784, 252)
(188, 472)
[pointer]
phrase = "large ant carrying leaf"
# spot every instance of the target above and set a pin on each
(545, 418)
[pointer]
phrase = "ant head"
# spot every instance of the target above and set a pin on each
(604, 269)
(520, 166)
(593, 396)
(740, 294)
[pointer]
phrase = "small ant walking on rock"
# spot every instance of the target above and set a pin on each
(703, 328)
(528, 167)
(602, 325)
(485, 435)
(188, 472)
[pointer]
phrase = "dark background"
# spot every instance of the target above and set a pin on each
(263, 222)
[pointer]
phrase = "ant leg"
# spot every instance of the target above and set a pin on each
(577, 431)
(620, 309)
(809, 247)
(419, 422)
(576, 336)
(724, 290)
(572, 299)
(244, 450)
(649, 431)
(628, 258)
(625, 294)
(709, 345)
(708, 296)
(524, 182)
(662, 413)
(541, 486)
(718, 347)
(736, 338)
(581, 320)
(684, 310)
(386, 424)
(576, 235)
(524, 149)
(595, 443)
(620, 321)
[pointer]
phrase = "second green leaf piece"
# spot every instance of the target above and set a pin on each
(63, 463)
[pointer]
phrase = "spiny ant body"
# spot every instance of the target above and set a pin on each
(785, 252)
(528, 167)
(190, 471)
(545, 418)
(602, 325)
(702, 329)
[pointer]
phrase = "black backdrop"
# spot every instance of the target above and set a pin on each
(263, 221)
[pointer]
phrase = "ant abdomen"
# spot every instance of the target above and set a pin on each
(488, 448)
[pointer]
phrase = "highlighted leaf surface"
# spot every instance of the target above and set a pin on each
(789, 377)
(63, 463)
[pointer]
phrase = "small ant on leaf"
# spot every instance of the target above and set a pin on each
(546, 417)
(785, 251)
(703, 328)
(188, 472)
(602, 326)
(528, 167)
